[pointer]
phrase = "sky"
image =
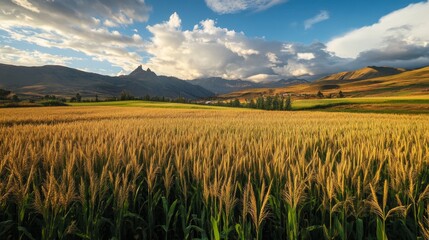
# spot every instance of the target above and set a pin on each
(257, 40)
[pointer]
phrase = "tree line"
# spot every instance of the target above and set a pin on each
(126, 96)
(277, 102)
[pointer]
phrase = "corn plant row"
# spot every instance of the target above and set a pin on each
(135, 173)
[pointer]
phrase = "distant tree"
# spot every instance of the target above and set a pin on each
(180, 100)
(282, 103)
(276, 103)
(50, 97)
(126, 96)
(236, 103)
(269, 103)
(320, 94)
(260, 102)
(341, 94)
(15, 98)
(73, 99)
(156, 99)
(78, 97)
(251, 103)
(123, 96)
(52, 102)
(146, 97)
(96, 97)
(4, 93)
(288, 103)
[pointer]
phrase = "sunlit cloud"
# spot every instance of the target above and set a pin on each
(81, 25)
(396, 36)
(14, 56)
(105, 31)
(209, 50)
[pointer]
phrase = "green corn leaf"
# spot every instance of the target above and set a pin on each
(359, 229)
(5, 226)
(171, 210)
(381, 232)
(83, 236)
(326, 232)
(239, 230)
(24, 231)
(215, 228)
(339, 228)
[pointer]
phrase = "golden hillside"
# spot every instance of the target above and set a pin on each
(353, 84)
(364, 73)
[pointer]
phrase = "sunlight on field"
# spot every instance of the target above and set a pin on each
(148, 104)
(321, 103)
(147, 173)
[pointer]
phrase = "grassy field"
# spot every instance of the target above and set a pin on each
(405, 104)
(101, 172)
(397, 104)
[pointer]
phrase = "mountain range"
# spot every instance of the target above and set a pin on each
(222, 86)
(368, 81)
(64, 81)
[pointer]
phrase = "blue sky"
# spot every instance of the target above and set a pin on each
(285, 21)
(249, 39)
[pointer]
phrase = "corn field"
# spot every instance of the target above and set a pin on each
(135, 173)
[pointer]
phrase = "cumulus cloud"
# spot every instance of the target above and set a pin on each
(397, 54)
(81, 25)
(395, 36)
(208, 50)
(322, 16)
(234, 6)
(272, 58)
(306, 56)
(94, 28)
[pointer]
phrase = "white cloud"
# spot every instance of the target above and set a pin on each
(234, 6)
(293, 68)
(79, 25)
(26, 4)
(322, 16)
(263, 78)
(404, 28)
(174, 21)
(208, 50)
(94, 29)
(240, 49)
(272, 57)
(11, 55)
(305, 56)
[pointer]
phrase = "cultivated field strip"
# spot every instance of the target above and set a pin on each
(111, 172)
